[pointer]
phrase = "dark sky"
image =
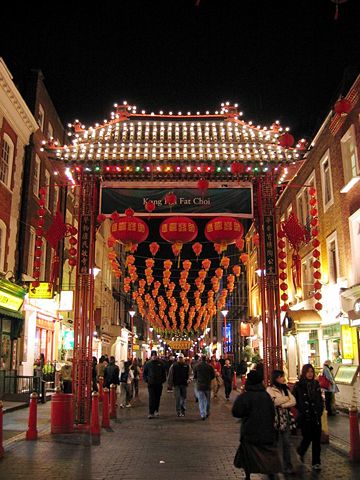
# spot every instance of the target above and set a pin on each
(279, 59)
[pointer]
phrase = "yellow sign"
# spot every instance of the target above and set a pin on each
(10, 301)
(349, 342)
(179, 345)
(44, 290)
(136, 347)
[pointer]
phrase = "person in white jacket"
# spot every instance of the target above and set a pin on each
(283, 400)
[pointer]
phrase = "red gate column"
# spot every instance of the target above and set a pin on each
(84, 299)
(269, 286)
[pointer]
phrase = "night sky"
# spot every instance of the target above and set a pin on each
(279, 59)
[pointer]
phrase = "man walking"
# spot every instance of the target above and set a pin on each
(204, 374)
(111, 373)
(179, 379)
(154, 375)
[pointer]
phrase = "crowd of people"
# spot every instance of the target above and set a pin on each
(268, 415)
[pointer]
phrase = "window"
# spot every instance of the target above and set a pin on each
(36, 180)
(349, 158)
(326, 181)
(56, 197)
(333, 258)
(50, 131)
(41, 117)
(307, 274)
(30, 266)
(6, 160)
(47, 185)
(2, 245)
(354, 224)
(302, 203)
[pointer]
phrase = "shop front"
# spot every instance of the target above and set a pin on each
(11, 321)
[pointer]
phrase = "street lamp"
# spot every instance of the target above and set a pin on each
(224, 314)
(132, 313)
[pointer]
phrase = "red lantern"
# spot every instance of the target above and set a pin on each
(101, 218)
(342, 107)
(282, 255)
(223, 230)
(72, 241)
(282, 265)
(284, 308)
(150, 206)
(313, 202)
(317, 285)
(286, 140)
(170, 199)
(41, 212)
(317, 275)
(284, 297)
(154, 248)
(283, 276)
(240, 243)
(312, 191)
(318, 306)
(203, 184)
(72, 262)
(281, 244)
(178, 230)
(244, 258)
(197, 248)
(318, 296)
(129, 230)
(115, 216)
(72, 251)
(316, 264)
(315, 243)
(283, 286)
(316, 253)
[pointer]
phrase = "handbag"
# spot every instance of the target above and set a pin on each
(324, 382)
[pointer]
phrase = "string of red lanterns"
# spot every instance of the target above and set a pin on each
(39, 232)
(315, 244)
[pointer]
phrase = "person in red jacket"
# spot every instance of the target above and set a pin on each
(217, 381)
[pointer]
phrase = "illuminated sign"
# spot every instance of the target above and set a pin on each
(44, 290)
(66, 300)
(349, 342)
(179, 344)
(68, 338)
(10, 301)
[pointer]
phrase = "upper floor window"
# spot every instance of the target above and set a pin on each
(349, 159)
(307, 277)
(2, 245)
(47, 185)
(50, 131)
(41, 117)
(303, 205)
(326, 181)
(56, 197)
(6, 160)
(43, 261)
(30, 265)
(36, 178)
(333, 258)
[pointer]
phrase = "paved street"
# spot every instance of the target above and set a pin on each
(137, 448)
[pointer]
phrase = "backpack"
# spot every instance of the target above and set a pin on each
(124, 377)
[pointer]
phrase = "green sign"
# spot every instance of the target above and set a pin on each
(214, 201)
(11, 295)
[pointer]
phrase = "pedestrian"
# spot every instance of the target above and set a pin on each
(94, 375)
(309, 404)
(331, 390)
(154, 375)
(66, 377)
(111, 373)
(100, 367)
(283, 400)
(227, 374)
(203, 375)
(217, 381)
(126, 385)
(136, 376)
(178, 379)
(257, 452)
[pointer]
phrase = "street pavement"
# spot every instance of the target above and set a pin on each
(136, 448)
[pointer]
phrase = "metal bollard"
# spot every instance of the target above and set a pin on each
(354, 434)
(1, 430)
(105, 423)
(101, 391)
(112, 401)
(32, 433)
(95, 422)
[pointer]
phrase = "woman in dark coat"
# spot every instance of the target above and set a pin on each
(256, 453)
(310, 406)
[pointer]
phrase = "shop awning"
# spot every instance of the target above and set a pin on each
(301, 321)
(4, 312)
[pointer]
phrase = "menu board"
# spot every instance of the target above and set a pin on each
(346, 374)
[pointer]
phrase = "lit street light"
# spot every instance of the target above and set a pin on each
(224, 314)
(132, 314)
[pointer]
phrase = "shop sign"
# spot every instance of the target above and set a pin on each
(349, 342)
(68, 338)
(44, 290)
(66, 300)
(179, 344)
(346, 374)
(136, 347)
(9, 301)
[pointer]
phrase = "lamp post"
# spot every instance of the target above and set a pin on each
(132, 313)
(224, 314)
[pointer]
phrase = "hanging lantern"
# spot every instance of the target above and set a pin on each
(342, 107)
(240, 243)
(203, 184)
(206, 264)
(237, 270)
(170, 199)
(154, 248)
(286, 140)
(149, 206)
(100, 218)
(115, 216)
(223, 231)
(197, 248)
(225, 262)
(244, 257)
(129, 230)
(178, 230)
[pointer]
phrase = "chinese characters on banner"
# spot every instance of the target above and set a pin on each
(84, 248)
(270, 254)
